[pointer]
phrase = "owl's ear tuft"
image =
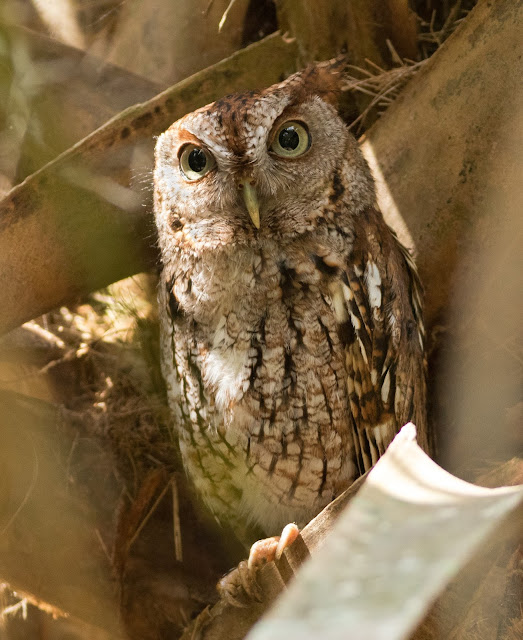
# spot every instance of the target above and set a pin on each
(323, 79)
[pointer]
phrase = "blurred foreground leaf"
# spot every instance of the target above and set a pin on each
(409, 530)
(48, 544)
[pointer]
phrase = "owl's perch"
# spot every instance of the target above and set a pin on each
(225, 621)
(69, 229)
(400, 511)
(41, 522)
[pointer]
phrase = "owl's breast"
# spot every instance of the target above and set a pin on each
(264, 376)
(270, 340)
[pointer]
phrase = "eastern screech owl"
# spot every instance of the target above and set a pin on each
(290, 313)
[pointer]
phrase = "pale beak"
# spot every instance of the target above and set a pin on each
(251, 202)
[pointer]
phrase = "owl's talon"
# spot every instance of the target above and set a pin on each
(249, 583)
(240, 587)
(270, 549)
(288, 536)
(262, 552)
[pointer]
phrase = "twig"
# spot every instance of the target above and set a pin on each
(147, 516)
(225, 14)
(383, 86)
(177, 529)
(29, 489)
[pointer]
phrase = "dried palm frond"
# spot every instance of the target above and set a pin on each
(382, 86)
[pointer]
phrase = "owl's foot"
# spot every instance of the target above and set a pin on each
(240, 587)
(270, 549)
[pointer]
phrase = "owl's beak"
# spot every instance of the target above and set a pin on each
(250, 198)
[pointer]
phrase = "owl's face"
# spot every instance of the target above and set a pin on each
(254, 166)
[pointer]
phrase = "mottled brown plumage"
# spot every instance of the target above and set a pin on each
(293, 352)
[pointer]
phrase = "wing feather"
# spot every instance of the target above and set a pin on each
(385, 363)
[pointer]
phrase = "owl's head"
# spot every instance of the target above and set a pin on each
(259, 165)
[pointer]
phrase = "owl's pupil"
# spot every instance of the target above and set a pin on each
(289, 138)
(197, 160)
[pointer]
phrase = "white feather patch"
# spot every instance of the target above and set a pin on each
(355, 322)
(372, 275)
(226, 367)
(338, 302)
(381, 432)
(377, 433)
(363, 352)
(226, 370)
(347, 293)
(385, 389)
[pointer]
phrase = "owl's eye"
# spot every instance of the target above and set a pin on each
(291, 140)
(195, 162)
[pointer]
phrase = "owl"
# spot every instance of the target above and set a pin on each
(291, 320)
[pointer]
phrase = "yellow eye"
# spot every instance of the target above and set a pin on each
(195, 162)
(291, 140)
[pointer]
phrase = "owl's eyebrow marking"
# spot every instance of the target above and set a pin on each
(188, 137)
